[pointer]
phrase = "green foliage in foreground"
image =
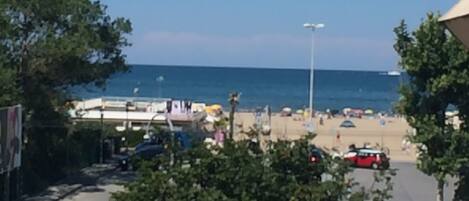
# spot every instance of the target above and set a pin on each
(47, 47)
(242, 171)
(438, 67)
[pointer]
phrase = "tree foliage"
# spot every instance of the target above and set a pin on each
(46, 47)
(10, 93)
(55, 44)
(438, 68)
(243, 171)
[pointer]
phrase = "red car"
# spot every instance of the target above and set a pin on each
(368, 158)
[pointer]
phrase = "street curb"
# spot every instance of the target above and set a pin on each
(74, 190)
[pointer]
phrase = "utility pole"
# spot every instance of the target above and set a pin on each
(127, 105)
(101, 155)
(6, 186)
(234, 101)
(159, 81)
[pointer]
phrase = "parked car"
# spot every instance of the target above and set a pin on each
(154, 147)
(316, 155)
(145, 152)
(367, 158)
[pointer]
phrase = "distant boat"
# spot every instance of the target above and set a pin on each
(394, 73)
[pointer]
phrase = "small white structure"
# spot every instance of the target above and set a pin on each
(138, 110)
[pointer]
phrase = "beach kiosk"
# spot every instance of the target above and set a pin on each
(457, 21)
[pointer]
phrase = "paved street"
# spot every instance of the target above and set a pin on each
(409, 185)
(103, 188)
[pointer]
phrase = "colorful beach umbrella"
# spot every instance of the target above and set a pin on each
(457, 21)
(347, 124)
(216, 107)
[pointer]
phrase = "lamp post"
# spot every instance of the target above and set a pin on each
(159, 81)
(313, 28)
(127, 105)
(101, 155)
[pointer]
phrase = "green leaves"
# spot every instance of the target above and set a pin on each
(438, 67)
(10, 92)
(236, 172)
(46, 47)
(63, 43)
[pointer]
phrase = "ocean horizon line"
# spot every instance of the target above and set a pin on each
(259, 86)
(253, 67)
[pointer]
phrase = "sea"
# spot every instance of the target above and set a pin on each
(259, 87)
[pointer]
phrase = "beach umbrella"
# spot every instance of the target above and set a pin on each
(209, 110)
(347, 124)
(346, 110)
(286, 111)
(300, 111)
(357, 111)
(216, 107)
(457, 21)
(369, 111)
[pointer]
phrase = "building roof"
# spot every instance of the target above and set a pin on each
(460, 9)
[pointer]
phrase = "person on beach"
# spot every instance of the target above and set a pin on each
(337, 137)
(305, 115)
(405, 146)
(352, 147)
(219, 137)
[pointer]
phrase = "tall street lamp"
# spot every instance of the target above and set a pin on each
(127, 105)
(159, 81)
(101, 136)
(313, 28)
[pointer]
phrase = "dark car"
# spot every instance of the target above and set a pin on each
(316, 157)
(146, 151)
(154, 147)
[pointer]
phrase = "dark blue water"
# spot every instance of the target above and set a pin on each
(258, 87)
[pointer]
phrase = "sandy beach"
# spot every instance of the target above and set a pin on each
(367, 130)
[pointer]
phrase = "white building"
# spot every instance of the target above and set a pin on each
(136, 112)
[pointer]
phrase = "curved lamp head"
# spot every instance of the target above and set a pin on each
(313, 26)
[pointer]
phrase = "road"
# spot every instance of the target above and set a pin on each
(104, 187)
(409, 185)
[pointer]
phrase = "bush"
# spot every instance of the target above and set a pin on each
(243, 171)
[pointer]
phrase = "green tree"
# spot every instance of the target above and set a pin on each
(46, 47)
(243, 171)
(10, 92)
(438, 68)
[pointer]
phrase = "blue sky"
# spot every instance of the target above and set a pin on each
(269, 33)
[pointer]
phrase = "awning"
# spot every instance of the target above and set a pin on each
(457, 21)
